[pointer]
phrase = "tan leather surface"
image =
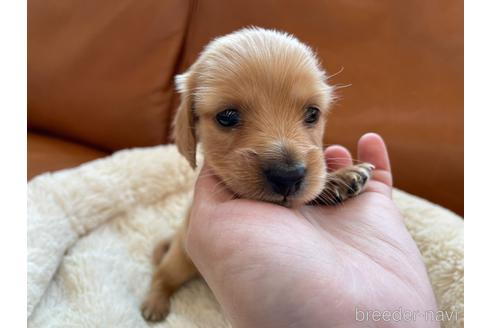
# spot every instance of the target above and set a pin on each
(45, 154)
(101, 71)
(404, 62)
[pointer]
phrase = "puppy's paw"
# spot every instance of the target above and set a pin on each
(355, 178)
(345, 183)
(160, 250)
(155, 307)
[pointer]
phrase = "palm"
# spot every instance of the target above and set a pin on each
(331, 260)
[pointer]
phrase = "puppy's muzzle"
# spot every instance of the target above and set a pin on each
(285, 180)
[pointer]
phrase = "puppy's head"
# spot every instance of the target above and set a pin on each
(257, 101)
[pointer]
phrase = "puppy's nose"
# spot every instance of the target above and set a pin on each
(285, 180)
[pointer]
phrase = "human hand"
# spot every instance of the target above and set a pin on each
(271, 266)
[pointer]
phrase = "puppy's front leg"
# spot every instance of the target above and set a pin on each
(344, 184)
(173, 270)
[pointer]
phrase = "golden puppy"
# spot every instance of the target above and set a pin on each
(257, 100)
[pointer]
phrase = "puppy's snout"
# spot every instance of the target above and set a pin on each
(285, 180)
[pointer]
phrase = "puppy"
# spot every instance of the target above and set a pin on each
(257, 101)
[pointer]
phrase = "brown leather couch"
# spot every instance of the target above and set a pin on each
(100, 76)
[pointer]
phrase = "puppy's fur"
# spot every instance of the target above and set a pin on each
(273, 81)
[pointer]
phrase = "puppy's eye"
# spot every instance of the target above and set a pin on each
(312, 115)
(228, 118)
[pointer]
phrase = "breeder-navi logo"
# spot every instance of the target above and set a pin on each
(403, 315)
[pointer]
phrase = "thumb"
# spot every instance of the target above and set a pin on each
(372, 149)
(209, 193)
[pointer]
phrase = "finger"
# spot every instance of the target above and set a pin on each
(371, 149)
(208, 194)
(209, 189)
(337, 157)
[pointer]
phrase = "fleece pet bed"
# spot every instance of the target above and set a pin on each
(91, 231)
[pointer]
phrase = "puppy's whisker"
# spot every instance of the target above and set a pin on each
(312, 148)
(342, 159)
(208, 175)
(340, 182)
(335, 74)
(340, 86)
(219, 187)
(325, 198)
(247, 152)
(332, 197)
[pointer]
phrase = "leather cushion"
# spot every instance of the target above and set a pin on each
(101, 72)
(46, 153)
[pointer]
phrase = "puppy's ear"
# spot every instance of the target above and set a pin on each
(184, 121)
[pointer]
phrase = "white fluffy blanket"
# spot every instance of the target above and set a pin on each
(91, 231)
